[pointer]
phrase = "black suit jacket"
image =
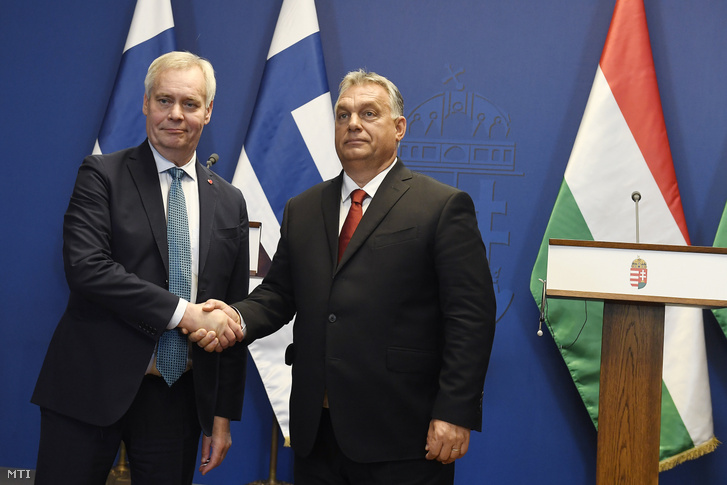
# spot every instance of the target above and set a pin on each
(398, 333)
(116, 262)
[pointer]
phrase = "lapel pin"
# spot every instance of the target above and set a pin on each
(209, 181)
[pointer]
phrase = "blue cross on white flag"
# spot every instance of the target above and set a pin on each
(288, 148)
(151, 34)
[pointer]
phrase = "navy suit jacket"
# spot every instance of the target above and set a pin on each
(397, 333)
(116, 263)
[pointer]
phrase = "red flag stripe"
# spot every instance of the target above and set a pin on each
(628, 66)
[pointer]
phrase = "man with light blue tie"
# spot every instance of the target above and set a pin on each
(148, 232)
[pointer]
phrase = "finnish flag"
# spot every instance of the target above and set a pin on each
(289, 147)
(151, 34)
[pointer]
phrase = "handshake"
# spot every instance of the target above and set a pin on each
(213, 325)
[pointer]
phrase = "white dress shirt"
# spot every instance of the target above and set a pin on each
(370, 188)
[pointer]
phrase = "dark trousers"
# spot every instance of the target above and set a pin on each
(161, 432)
(327, 465)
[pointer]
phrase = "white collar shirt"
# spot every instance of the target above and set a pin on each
(370, 188)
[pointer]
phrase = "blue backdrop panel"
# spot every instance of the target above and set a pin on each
(494, 92)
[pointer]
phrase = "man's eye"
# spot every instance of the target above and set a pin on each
(342, 116)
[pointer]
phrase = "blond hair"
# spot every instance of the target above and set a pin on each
(181, 60)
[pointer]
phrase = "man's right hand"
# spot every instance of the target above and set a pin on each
(208, 340)
(218, 330)
(211, 305)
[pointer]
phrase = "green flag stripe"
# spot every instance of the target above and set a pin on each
(579, 343)
(578, 323)
(720, 241)
(566, 221)
(674, 437)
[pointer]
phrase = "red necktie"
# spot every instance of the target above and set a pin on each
(352, 220)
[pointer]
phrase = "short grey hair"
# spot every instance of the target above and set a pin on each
(181, 60)
(361, 77)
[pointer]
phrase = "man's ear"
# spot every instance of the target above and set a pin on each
(400, 124)
(208, 115)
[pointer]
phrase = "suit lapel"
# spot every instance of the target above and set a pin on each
(207, 204)
(331, 207)
(143, 170)
(391, 190)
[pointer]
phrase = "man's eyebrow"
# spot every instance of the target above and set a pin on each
(365, 104)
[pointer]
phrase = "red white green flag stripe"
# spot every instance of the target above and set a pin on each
(622, 147)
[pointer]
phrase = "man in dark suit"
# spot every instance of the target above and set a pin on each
(101, 381)
(392, 333)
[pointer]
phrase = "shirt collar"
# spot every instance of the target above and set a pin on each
(163, 164)
(370, 188)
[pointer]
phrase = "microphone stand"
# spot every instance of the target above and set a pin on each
(636, 197)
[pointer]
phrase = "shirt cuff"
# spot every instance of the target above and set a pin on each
(178, 314)
(242, 322)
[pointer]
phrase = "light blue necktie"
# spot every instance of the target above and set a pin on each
(172, 352)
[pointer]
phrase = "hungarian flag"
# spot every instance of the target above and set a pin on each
(622, 147)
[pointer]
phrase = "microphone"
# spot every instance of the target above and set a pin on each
(636, 197)
(212, 160)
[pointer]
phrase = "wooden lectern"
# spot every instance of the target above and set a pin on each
(635, 282)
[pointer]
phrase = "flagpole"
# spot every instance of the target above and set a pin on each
(120, 474)
(272, 479)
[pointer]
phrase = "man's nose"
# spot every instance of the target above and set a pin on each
(176, 112)
(354, 123)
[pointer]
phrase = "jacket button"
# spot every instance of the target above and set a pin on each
(332, 318)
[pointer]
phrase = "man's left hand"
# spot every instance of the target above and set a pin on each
(214, 448)
(446, 442)
(207, 340)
